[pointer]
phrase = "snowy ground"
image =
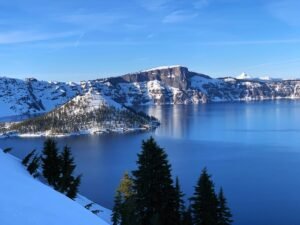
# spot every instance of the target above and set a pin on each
(26, 201)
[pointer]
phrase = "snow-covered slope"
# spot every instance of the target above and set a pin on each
(31, 96)
(26, 201)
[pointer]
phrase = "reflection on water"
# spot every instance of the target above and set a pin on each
(252, 150)
(234, 122)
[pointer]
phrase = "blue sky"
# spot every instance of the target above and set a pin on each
(87, 39)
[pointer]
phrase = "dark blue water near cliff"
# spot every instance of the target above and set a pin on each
(252, 150)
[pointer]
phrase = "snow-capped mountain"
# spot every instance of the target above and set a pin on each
(161, 85)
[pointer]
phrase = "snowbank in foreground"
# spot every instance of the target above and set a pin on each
(26, 201)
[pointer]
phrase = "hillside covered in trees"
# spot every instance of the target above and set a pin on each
(89, 113)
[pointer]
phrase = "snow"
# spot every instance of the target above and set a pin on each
(267, 78)
(104, 213)
(243, 76)
(25, 200)
(32, 96)
(162, 68)
(197, 82)
(229, 79)
(94, 130)
(93, 100)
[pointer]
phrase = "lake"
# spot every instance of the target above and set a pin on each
(252, 149)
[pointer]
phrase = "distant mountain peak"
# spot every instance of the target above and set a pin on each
(244, 76)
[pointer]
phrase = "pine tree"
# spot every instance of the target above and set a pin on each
(179, 203)
(128, 198)
(73, 188)
(126, 186)
(117, 209)
(224, 214)
(67, 167)
(51, 163)
(33, 166)
(155, 198)
(204, 202)
(123, 211)
(27, 158)
(187, 218)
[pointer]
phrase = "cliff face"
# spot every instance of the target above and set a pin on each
(178, 85)
(162, 85)
(176, 77)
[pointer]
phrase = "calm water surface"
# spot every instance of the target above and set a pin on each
(252, 150)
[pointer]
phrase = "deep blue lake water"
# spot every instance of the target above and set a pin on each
(251, 149)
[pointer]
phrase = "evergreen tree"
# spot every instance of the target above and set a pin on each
(126, 186)
(155, 197)
(51, 163)
(179, 203)
(67, 167)
(128, 204)
(123, 211)
(27, 158)
(224, 214)
(117, 209)
(33, 166)
(204, 202)
(187, 218)
(73, 188)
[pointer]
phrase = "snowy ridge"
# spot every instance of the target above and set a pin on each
(24, 200)
(160, 85)
(30, 96)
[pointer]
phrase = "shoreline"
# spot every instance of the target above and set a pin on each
(79, 133)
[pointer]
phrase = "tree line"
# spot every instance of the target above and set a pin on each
(57, 168)
(149, 196)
